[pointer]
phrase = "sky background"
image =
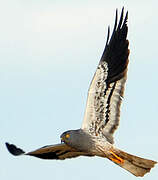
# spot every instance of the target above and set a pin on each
(49, 51)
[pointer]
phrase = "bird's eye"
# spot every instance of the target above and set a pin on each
(67, 136)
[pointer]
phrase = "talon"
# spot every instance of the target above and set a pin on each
(116, 158)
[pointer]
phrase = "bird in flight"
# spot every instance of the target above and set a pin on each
(102, 114)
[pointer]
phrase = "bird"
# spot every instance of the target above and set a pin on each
(102, 113)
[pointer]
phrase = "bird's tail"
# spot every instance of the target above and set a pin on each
(135, 165)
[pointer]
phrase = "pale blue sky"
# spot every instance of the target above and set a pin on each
(49, 51)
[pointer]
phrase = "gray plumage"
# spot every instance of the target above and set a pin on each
(102, 114)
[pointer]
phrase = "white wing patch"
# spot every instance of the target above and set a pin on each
(95, 100)
(113, 112)
(103, 103)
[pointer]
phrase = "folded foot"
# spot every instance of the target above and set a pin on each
(115, 158)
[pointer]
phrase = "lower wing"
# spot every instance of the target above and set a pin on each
(58, 151)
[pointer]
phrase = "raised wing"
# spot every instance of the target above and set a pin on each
(58, 151)
(106, 90)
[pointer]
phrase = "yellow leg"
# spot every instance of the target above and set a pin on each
(116, 158)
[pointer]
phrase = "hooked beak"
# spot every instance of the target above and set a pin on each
(62, 140)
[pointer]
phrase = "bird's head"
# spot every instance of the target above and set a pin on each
(66, 137)
(78, 139)
(71, 137)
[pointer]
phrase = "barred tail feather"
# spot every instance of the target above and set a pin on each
(135, 165)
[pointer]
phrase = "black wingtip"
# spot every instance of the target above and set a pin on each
(14, 150)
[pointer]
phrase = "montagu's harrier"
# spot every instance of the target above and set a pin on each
(101, 119)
